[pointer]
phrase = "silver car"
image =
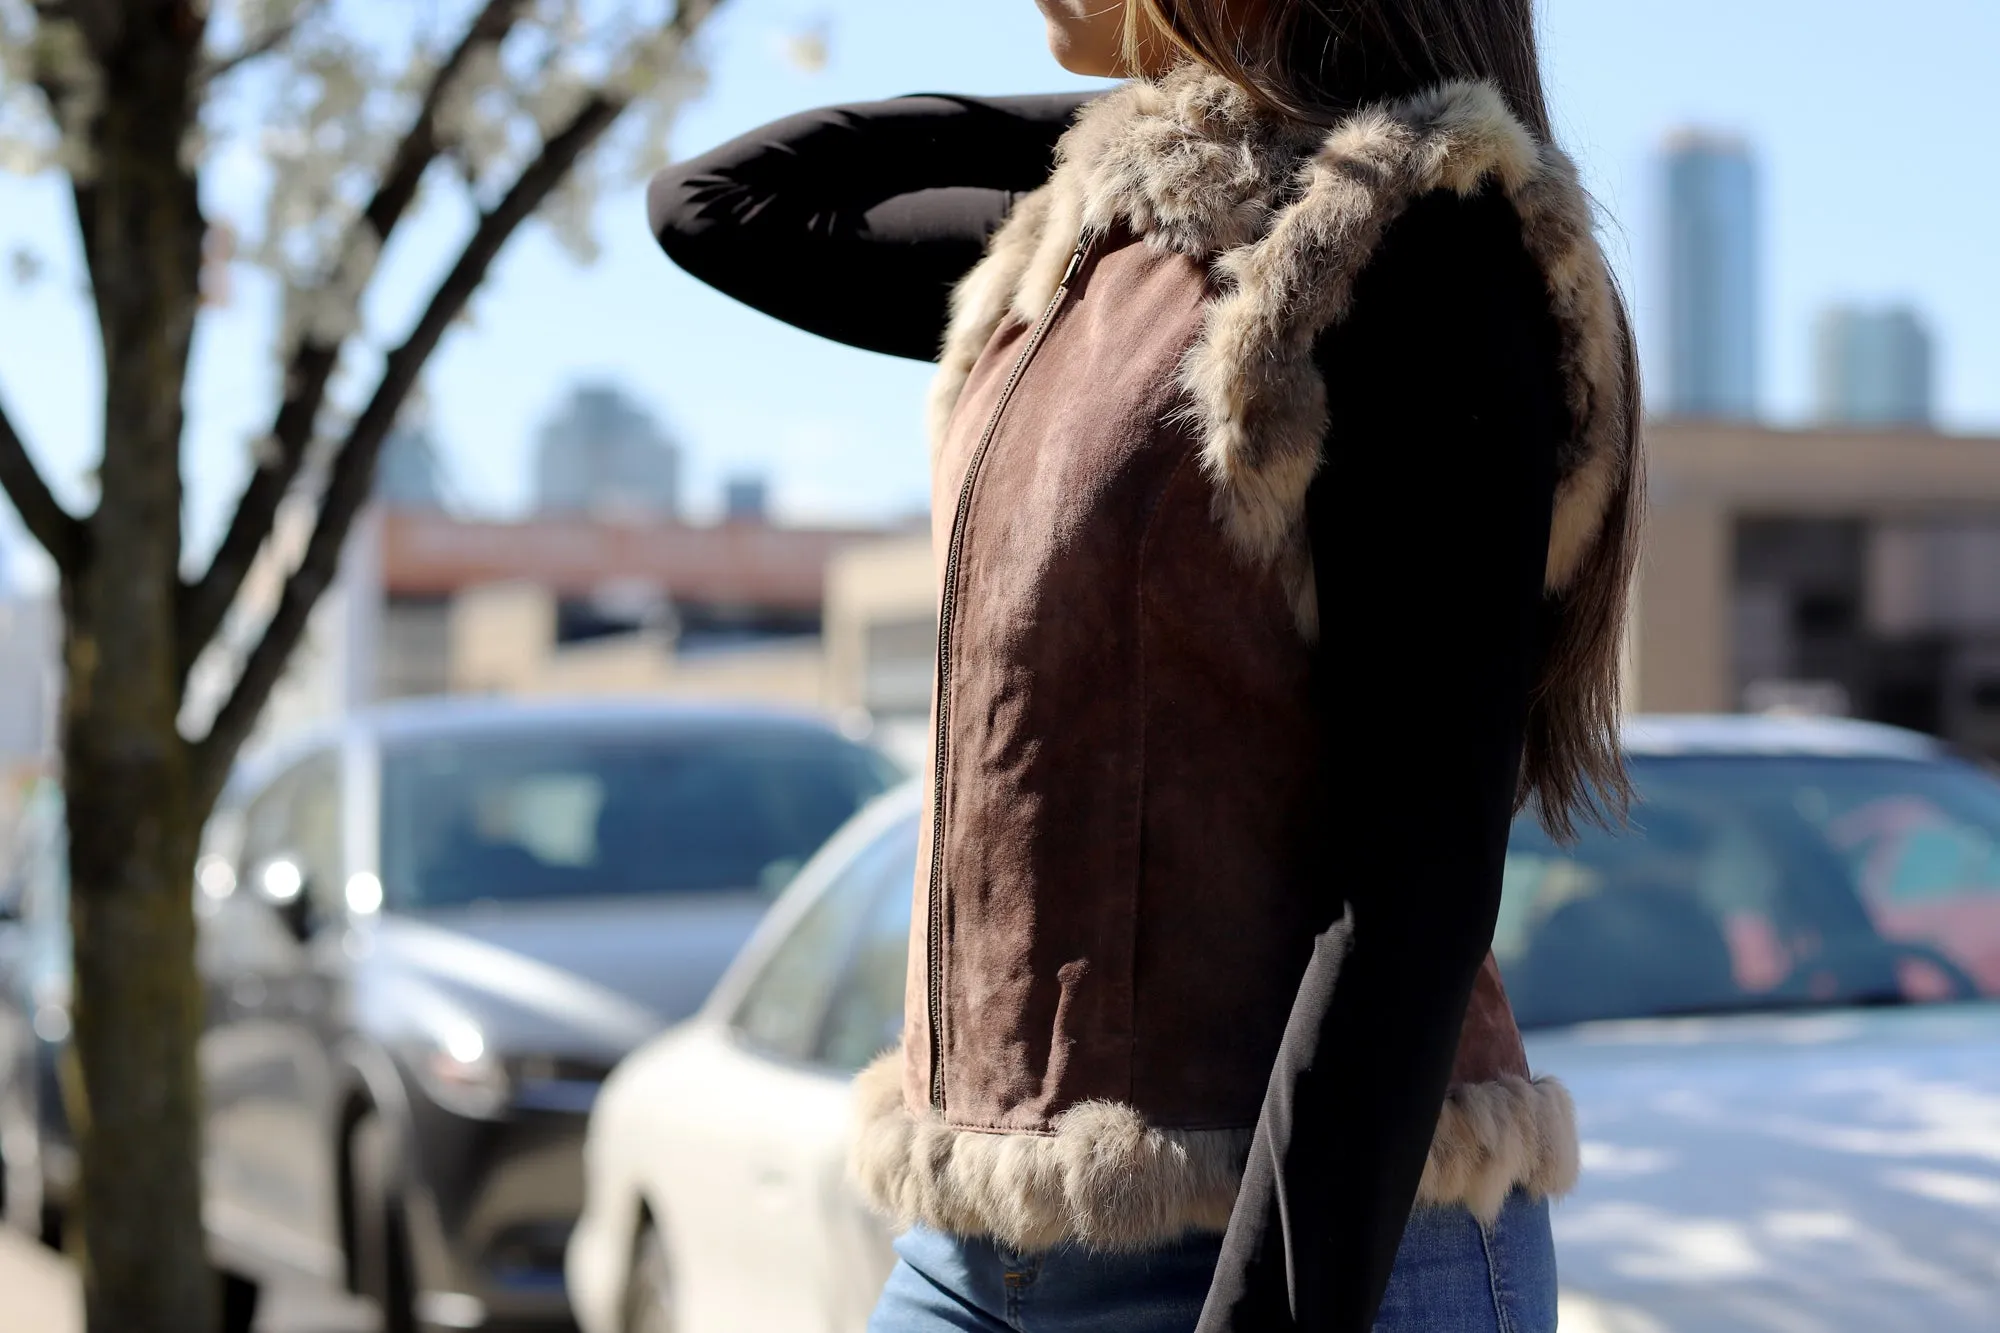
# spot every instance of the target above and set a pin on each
(425, 934)
(1774, 1000)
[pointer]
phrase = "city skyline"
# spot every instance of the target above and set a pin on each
(1855, 208)
(411, 473)
(604, 453)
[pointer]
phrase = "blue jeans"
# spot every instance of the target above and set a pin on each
(1452, 1275)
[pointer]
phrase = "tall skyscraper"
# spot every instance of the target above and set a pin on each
(1873, 367)
(1712, 277)
(746, 499)
(410, 474)
(604, 454)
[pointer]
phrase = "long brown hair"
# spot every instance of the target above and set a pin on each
(1320, 60)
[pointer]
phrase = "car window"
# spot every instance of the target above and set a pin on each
(566, 815)
(1752, 882)
(781, 1011)
(1912, 848)
(866, 1015)
(265, 835)
(296, 819)
(312, 828)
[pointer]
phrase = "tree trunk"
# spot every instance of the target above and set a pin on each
(137, 1009)
(134, 812)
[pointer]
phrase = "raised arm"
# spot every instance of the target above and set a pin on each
(1447, 410)
(853, 222)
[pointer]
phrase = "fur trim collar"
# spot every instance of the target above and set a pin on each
(1288, 216)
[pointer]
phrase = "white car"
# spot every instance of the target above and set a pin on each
(1774, 1003)
(714, 1166)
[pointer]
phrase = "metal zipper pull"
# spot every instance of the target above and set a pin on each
(1075, 266)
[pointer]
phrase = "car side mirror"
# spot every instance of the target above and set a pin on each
(281, 883)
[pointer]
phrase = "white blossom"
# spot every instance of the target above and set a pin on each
(569, 212)
(319, 94)
(806, 49)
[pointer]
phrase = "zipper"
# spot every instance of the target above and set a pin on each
(947, 612)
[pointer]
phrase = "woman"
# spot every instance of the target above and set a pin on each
(1285, 491)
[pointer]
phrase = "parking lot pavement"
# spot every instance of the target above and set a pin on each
(38, 1294)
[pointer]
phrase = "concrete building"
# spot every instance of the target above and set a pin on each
(1852, 570)
(1849, 571)
(1873, 367)
(871, 662)
(603, 454)
(425, 604)
(606, 591)
(1846, 571)
(1712, 276)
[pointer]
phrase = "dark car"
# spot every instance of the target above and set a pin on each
(427, 936)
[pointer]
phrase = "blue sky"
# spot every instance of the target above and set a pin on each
(1874, 126)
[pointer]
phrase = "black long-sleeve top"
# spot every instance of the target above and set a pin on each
(1429, 526)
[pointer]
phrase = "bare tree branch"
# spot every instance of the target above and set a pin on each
(57, 90)
(353, 470)
(207, 601)
(263, 44)
(60, 532)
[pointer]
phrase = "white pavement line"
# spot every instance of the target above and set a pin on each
(38, 1291)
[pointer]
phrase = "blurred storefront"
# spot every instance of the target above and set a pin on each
(835, 619)
(868, 660)
(1841, 571)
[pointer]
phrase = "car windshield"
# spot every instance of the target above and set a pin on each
(1752, 883)
(469, 820)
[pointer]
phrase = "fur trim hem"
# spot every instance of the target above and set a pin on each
(1288, 216)
(1105, 1179)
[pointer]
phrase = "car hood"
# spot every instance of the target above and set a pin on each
(604, 973)
(1829, 1172)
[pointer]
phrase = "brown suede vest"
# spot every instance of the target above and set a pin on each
(1115, 894)
(1127, 767)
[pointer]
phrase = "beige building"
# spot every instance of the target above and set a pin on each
(1855, 572)
(871, 662)
(1844, 571)
(1852, 570)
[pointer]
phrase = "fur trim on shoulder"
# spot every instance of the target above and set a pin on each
(982, 300)
(1105, 1179)
(1289, 215)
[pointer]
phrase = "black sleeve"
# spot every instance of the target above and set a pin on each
(854, 222)
(1430, 525)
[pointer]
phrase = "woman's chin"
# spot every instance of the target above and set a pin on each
(1077, 60)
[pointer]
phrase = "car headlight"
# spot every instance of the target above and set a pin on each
(462, 1074)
